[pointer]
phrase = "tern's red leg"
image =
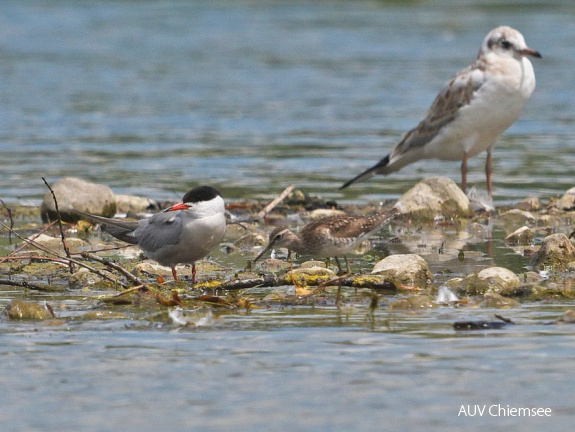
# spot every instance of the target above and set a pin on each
(194, 273)
(174, 273)
(464, 173)
(488, 171)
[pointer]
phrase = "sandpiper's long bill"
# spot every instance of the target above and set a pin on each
(333, 236)
(182, 233)
(476, 106)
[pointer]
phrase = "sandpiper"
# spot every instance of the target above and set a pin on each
(182, 233)
(476, 106)
(333, 236)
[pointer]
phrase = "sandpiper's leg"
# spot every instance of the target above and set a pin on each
(339, 269)
(347, 265)
(174, 273)
(464, 173)
(488, 171)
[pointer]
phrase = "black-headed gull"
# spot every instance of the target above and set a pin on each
(471, 111)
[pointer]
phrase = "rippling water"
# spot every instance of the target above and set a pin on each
(152, 97)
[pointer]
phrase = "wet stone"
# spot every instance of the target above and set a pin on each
(521, 236)
(24, 310)
(555, 253)
(77, 194)
(497, 301)
(529, 204)
(435, 198)
(515, 218)
(409, 270)
(491, 279)
(567, 201)
(248, 241)
(135, 204)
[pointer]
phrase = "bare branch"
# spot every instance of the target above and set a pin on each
(60, 226)
(9, 210)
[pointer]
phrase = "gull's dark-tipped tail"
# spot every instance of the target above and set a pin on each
(368, 173)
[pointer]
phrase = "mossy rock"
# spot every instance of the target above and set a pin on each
(407, 270)
(555, 253)
(491, 279)
(24, 310)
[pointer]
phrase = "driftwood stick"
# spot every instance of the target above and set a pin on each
(262, 214)
(271, 280)
(29, 285)
(66, 249)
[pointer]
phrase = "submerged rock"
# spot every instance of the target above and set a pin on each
(567, 318)
(495, 300)
(555, 253)
(77, 194)
(23, 310)
(409, 270)
(416, 302)
(435, 198)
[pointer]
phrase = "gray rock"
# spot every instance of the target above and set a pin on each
(77, 194)
(567, 201)
(529, 204)
(75, 245)
(522, 236)
(555, 253)
(491, 279)
(409, 270)
(515, 218)
(435, 198)
(135, 204)
(495, 300)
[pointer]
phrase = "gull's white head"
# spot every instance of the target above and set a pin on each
(506, 41)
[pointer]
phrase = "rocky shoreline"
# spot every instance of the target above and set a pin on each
(443, 249)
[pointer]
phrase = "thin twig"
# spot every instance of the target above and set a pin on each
(14, 252)
(116, 267)
(9, 210)
(68, 260)
(60, 225)
(274, 203)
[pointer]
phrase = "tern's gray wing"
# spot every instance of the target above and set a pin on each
(162, 229)
(456, 94)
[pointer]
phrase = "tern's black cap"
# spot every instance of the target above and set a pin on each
(201, 193)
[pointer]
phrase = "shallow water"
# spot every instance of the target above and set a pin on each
(317, 371)
(152, 97)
